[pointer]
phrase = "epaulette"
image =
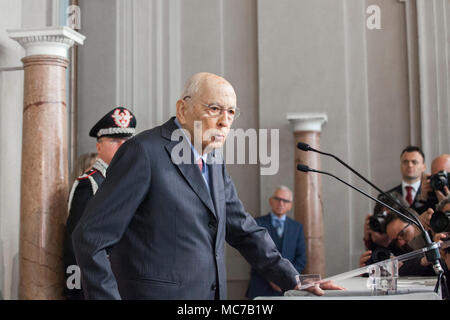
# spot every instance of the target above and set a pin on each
(87, 174)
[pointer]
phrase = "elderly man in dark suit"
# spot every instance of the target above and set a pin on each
(288, 237)
(167, 207)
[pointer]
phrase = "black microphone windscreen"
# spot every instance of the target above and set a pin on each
(303, 146)
(302, 167)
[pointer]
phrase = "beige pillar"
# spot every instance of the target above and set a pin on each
(308, 188)
(44, 179)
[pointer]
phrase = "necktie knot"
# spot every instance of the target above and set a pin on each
(277, 223)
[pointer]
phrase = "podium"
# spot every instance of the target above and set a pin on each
(408, 288)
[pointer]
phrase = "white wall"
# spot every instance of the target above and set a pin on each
(434, 63)
(11, 104)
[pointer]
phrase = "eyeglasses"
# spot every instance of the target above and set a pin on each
(214, 110)
(282, 200)
(402, 232)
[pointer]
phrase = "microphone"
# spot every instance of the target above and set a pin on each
(304, 146)
(432, 255)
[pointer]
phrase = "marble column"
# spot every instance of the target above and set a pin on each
(308, 188)
(44, 173)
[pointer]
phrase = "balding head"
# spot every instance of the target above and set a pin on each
(204, 81)
(209, 102)
(440, 163)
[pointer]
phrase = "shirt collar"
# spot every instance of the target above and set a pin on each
(274, 216)
(415, 185)
(196, 154)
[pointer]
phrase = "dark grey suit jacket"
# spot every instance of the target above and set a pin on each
(166, 232)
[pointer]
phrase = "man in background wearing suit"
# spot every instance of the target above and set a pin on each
(165, 221)
(412, 167)
(288, 237)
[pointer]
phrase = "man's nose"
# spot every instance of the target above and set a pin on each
(224, 119)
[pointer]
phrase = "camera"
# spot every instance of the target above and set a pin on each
(439, 180)
(379, 254)
(377, 222)
(440, 222)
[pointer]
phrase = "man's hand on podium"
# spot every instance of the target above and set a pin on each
(318, 288)
(275, 287)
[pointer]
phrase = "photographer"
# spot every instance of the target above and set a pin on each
(443, 226)
(391, 235)
(375, 225)
(435, 186)
(403, 238)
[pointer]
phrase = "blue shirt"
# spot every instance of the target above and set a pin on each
(197, 156)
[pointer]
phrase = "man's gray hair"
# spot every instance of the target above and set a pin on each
(192, 85)
(283, 187)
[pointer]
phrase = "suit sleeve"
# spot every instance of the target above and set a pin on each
(107, 216)
(300, 250)
(254, 242)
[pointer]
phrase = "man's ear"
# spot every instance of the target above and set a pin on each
(181, 111)
(98, 147)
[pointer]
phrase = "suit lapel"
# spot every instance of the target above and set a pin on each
(216, 182)
(189, 171)
(417, 193)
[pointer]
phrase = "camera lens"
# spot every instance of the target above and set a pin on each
(439, 180)
(378, 254)
(440, 222)
(381, 254)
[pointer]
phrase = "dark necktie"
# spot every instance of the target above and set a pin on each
(409, 194)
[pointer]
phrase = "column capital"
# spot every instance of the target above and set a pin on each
(307, 121)
(53, 41)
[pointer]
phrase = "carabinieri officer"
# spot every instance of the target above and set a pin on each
(111, 132)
